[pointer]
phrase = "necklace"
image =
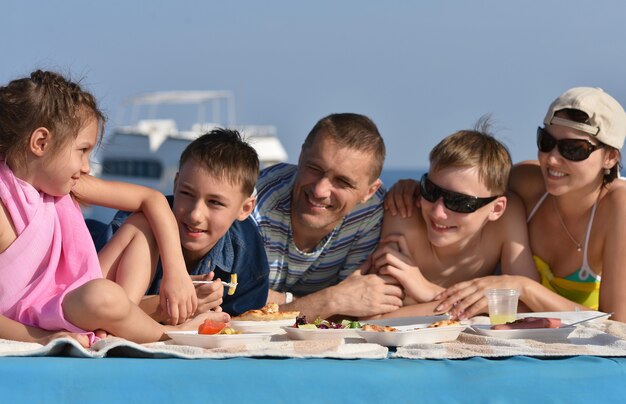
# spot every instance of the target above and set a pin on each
(558, 214)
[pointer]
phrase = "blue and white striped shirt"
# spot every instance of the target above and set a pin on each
(334, 258)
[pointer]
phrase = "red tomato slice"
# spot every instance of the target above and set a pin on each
(211, 327)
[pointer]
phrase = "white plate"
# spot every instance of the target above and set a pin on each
(406, 321)
(422, 335)
(261, 326)
(216, 340)
(567, 317)
(318, 333)
(528, 333)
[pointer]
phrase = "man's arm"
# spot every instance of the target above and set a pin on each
(359, 295)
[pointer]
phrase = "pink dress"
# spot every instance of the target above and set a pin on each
(52, 255)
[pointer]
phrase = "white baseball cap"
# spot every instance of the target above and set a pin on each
(607, 119)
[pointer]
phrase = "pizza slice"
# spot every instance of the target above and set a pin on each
(444, 323)
(269, 312)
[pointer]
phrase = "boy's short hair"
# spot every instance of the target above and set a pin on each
(475, 148)
(225, 154)
(353, 131)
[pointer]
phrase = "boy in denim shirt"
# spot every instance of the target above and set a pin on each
(213, 198)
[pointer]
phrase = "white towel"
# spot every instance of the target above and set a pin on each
(607, 338)
(331, 348)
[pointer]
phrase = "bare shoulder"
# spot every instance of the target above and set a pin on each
(514, 207)
(526, 181)
(614, 202)
(513, 217)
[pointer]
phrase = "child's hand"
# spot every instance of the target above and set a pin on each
(394, 259)
(209, 295)
(467, 299)
(178, 296)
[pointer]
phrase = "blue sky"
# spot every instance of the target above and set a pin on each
(419, 69)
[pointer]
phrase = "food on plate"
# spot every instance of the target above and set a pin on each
(529, 322)
(436, 324)
(378, 328)
(444, 323)
(325, 324)
(211, 327)
(229, 331)
(269, 312)
(233, 287)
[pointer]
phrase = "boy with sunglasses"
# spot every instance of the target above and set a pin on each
(466, 227)
(576, 212)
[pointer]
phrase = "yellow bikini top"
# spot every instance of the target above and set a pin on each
(583, 286)
(585, 293)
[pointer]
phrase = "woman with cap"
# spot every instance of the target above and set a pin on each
(576, 213)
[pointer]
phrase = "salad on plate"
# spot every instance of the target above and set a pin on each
(322, 324)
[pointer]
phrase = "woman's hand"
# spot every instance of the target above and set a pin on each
(178, 296)
(467, 299)
(402, 198)
(210, 296)
(393, 258)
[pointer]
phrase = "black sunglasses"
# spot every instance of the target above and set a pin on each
(454, 201)
(571, 149)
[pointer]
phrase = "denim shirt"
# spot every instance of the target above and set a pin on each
(240, 251)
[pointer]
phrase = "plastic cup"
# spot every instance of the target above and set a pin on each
(502, 305)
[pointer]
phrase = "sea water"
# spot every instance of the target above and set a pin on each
(390, 176)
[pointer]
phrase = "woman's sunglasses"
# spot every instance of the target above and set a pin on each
(454, 201)
(571, 149)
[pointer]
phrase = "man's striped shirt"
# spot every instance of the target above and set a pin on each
(334, 258)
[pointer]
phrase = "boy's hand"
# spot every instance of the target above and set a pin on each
(210, 296)
(393, 258)
(402, 198)
(467, 299)
(178, 296)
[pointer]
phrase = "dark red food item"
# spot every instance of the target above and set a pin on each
(529, 322)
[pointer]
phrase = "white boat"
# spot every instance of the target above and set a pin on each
(147, 150)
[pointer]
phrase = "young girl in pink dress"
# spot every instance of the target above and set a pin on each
(52, 281)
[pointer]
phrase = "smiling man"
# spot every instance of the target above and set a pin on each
(321, 219)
